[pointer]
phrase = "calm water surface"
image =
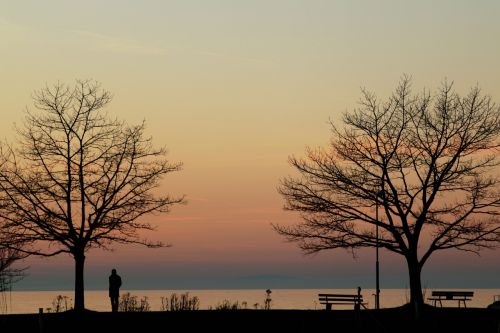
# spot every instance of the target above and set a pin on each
(31, 301)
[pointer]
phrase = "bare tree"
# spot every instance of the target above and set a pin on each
(77, 179)
(427, 161)
(10, 272)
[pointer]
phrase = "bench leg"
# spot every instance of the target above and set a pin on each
(357, 313)
(328, 306)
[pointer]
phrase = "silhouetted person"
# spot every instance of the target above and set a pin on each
(115, 282)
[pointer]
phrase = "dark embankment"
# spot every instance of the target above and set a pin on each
(385, 320)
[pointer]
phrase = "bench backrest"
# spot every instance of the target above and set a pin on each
(340, 297)
(452, 294)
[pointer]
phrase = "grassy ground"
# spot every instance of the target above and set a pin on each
(385, 320)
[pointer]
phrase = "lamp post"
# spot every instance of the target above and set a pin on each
(377, 264)
(377, 270)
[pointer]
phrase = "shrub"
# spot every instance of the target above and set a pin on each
(129, 303)
(227, 305)
(184, 302)
(60, 304)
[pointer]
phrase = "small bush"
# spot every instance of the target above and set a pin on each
(129, 303)
(227, 305)
(268, 300)
(60, 304)
(184, 302)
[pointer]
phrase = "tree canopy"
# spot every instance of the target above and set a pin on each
(429, 161)
(78, 179)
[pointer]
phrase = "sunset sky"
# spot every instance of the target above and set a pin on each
(233, 88)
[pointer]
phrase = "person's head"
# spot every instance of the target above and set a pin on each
(113, 271)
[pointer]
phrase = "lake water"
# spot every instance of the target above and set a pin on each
(31, 301)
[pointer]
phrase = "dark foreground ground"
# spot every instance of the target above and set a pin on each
(385, 320)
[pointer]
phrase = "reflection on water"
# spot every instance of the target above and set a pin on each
(31, 301)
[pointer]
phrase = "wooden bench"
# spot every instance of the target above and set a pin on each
(439, 296)
(330, 299)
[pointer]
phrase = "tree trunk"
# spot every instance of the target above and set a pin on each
(416, 297)
(79, 285)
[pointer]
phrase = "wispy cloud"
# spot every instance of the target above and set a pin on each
(6, 23)
(15, 33)
(234, 57)
(120, 45)
(11, 30)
